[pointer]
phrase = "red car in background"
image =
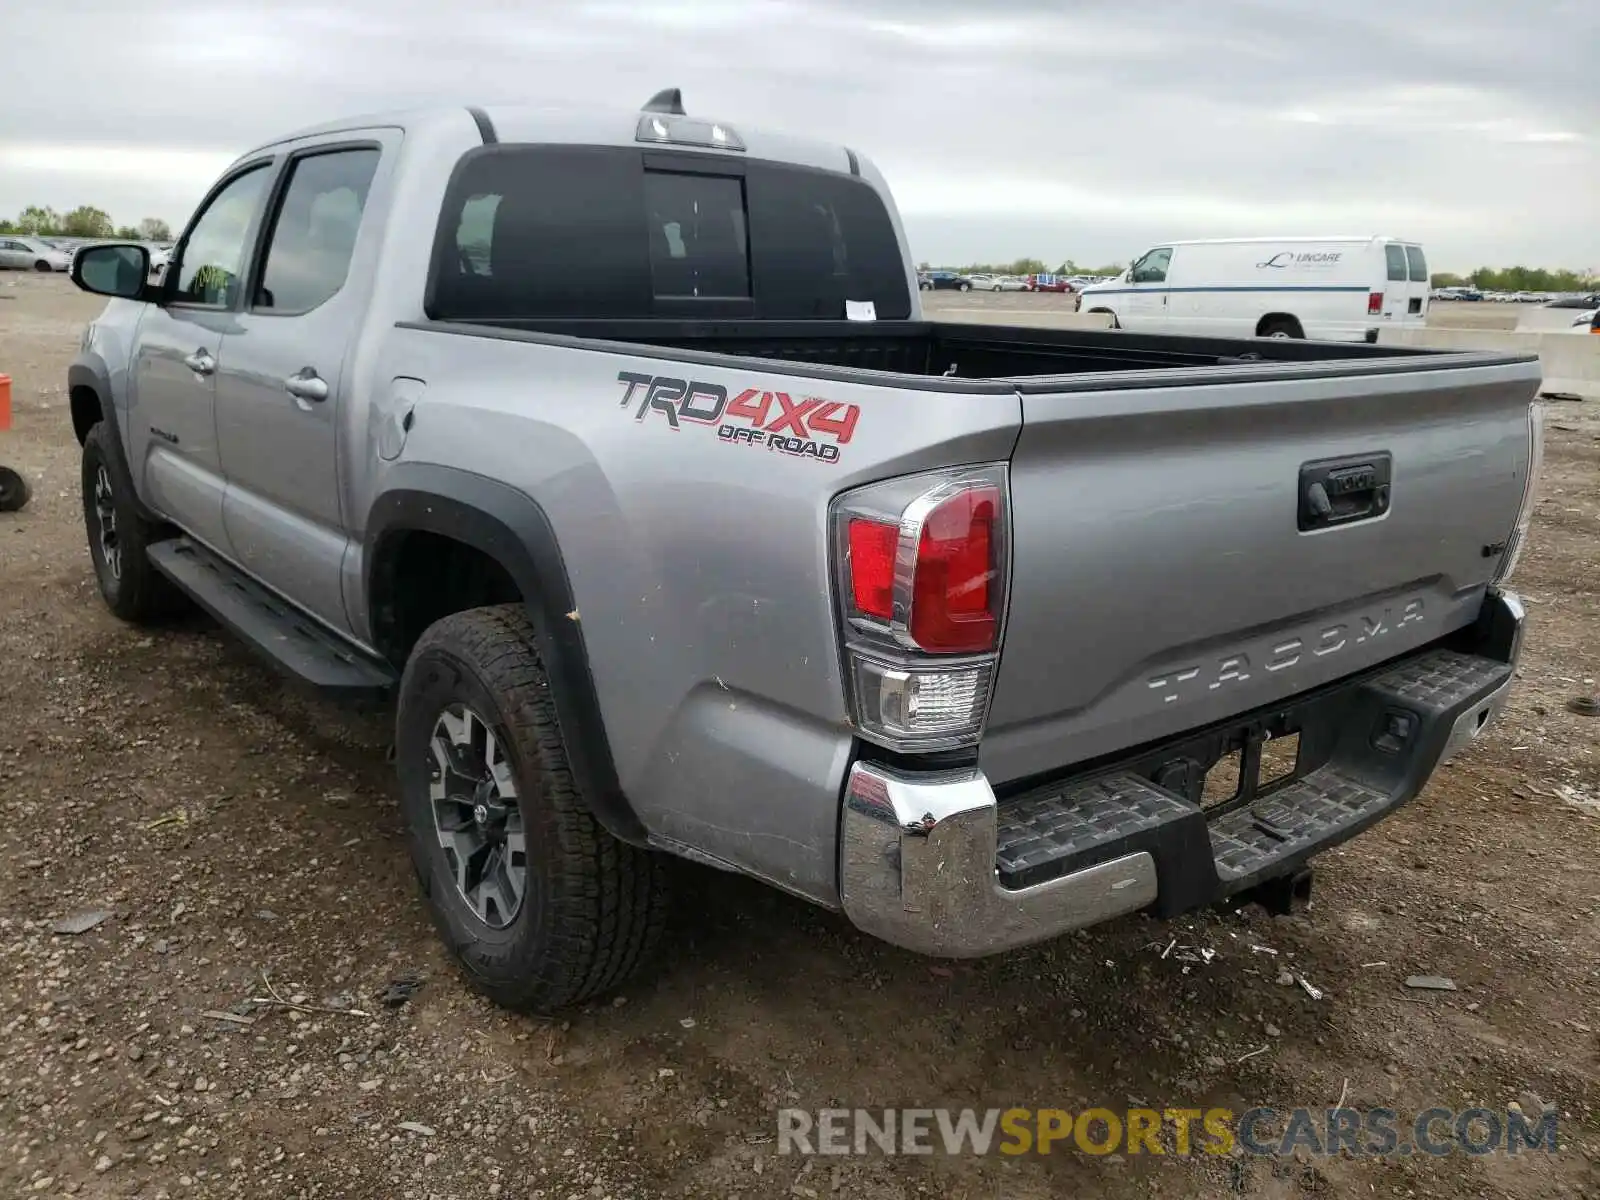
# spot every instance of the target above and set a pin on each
(1049, 283)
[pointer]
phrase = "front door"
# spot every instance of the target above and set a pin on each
(1147, 279)
(279, 388)
(171, 418)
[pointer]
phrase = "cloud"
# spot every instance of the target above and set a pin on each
(1008, 128)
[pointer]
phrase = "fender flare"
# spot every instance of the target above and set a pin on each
(89, 371)
(510, 527)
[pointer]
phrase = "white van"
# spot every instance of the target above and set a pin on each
(1334, 289)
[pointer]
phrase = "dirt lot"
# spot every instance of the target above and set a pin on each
(244, 842)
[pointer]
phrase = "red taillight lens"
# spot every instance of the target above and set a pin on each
(952, 591)
(1374, 304)
(872, 550)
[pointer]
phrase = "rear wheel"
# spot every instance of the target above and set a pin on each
(963, 287)
(119, 536)
(540, 905)
(1281, 327)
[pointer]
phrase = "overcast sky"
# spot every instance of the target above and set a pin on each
(1055, 128)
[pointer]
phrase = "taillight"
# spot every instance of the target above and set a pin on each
(951, 609)
(921, 577)
(872, 550)
(1374, 303)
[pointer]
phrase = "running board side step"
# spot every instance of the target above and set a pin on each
(278, 631)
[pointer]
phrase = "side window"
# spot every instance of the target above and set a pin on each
(215, 252)
(543, 231)
(1152, 268)
(1396, 258)
(698, 246)
(1417, 264)
(314, 232)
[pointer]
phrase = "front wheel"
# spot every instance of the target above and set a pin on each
(119, 536)
(963, 287)
(14, 490)
(539, 904)
(41, 265)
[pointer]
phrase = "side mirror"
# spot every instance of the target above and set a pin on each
(112, 269)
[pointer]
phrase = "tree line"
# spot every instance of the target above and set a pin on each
(1518, 279)
(84, 221)
(1027, 266)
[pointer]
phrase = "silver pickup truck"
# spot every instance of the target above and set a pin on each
(615, 447)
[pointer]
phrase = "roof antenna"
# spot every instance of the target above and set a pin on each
(667, 100)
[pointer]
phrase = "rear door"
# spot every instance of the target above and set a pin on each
(14, 254)
(280, 384)
(1417, 290)
(1396, 283)
(1165, 575)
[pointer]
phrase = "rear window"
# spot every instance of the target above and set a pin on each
(1396, 256)
(698, 246)
(1418, 264)
(530, 232)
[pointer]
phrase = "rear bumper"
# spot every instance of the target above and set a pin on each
(937, 864)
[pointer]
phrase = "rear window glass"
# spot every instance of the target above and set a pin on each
(697, 235)
(1418, 264)
(1396, 256)
(532, 232)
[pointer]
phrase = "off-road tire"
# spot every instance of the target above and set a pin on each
(593, 907)
(135, 590)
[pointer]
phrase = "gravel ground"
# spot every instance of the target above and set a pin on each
(260, 1007)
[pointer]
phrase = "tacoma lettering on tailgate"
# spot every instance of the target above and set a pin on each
(810, 427)
(1236, 667)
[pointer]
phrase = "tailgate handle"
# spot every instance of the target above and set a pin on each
(1339, 491)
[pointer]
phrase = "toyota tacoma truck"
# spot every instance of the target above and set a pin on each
(614, 447)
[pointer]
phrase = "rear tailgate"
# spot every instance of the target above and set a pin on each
(1161, 578)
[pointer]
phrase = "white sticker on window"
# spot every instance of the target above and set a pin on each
(860, 310)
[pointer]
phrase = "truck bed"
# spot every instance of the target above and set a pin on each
(920, 352)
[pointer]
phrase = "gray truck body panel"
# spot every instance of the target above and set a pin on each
(1159, 582)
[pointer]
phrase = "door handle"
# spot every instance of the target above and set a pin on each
(200, 362)
(306, 384)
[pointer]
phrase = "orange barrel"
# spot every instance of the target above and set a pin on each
(5, 402)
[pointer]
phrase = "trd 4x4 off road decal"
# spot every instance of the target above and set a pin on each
(809, 427)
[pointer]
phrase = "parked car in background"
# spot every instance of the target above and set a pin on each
(1331, 289)
(943, 281)
(986, 281)
(1588, 300)
(1049, 283)
(32, 254)
(158, 259)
